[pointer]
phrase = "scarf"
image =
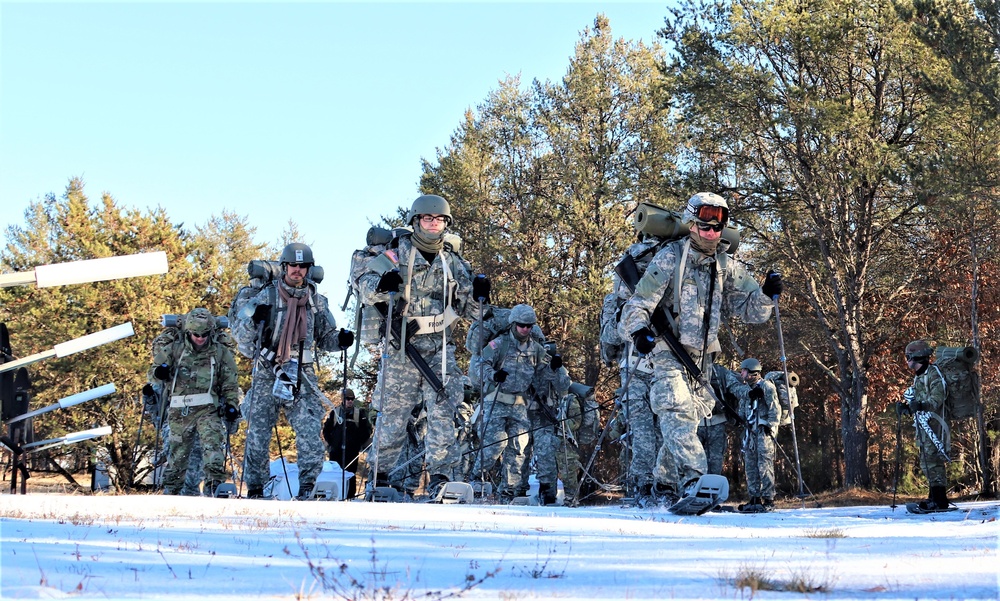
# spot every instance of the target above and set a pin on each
(427, 242)
(293, 331)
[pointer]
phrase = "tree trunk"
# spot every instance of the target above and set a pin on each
(854, 430)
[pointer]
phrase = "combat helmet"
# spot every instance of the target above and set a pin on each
(199, 322)
(707, 207)
(296, 252)
(751, 365)
(918, 349)
(429, 204)
(522, 314)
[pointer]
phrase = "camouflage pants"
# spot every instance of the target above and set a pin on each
(404, 390)
(201, 423)
(713, 439)
(645, 437)
(931, 462)
(505, 433)
(679, 407)
(542, 446)
(305, 413)
(192, 482)
(568, 459)
(758, 451)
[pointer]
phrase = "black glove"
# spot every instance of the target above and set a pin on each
(643, 340)
(390, 281)
(556, 362)
(148, 395)
(229, 412)
(161, 372)
(756, 394)
(903, 409)
(481, 288)
(772, 284)
(345, 338)
(261, 314)
(500, 376)
(766, 429)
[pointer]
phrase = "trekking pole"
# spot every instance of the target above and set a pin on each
(791, 409)
(899, 448)
(343, 431)
(382, 382)
(482, 402)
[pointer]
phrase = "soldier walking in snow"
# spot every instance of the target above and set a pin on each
(693, 281)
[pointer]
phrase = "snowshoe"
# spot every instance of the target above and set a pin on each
(925, 508)
(326, 490)
(708, 492)
(455, 492)
(226, 490)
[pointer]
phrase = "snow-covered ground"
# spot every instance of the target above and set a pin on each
(151, 547)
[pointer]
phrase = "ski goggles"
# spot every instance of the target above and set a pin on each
(708, 213)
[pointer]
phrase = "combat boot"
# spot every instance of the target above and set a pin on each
(546, 494)
(255, 493)
(435, 484)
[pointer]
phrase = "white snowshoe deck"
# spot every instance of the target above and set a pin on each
(710, 491)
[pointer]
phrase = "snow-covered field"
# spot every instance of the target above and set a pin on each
(152, 547)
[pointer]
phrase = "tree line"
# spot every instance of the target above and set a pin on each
(858, 144)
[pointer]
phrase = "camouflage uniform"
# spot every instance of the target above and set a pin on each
(712, 430)
(644, 437)
(758, 445)
(679, 402)
(543, 441)
(197, 375)
(929, 393)
(423, 297)
(306, 410)
(571, 434)
(506, 406)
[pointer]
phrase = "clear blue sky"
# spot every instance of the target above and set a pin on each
(316, 112)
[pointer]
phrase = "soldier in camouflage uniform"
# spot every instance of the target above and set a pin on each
(712, 429)
(925, 400)
(295, 322)
(515, 364)
(575, 428)
(761, 414)
(693, 281)
(543, 440)
(198, 371)
(432, 287)
(157, 415)
(644, 437)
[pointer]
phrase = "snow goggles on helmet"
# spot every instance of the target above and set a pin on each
(708, 213)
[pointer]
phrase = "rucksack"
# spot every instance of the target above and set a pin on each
(957, 365)
(367, 320)
(788, 398)
(590, 420)
(262, 273)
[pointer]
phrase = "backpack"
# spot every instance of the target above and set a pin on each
(788, 398)
(262, 273)
(367, 320)
(957, 365)
(590, 420)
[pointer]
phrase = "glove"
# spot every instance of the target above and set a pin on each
(556, 362)
(643, 340)
(903, 409)
(229, 412)
(766, 429)
(261, 314)
(772, 284)
(390, 282)
(345, 338)
(481, 288)
(500, 376)
(148, 395)
(756, 394)
(161, 372)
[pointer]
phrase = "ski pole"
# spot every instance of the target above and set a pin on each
(343, 431)
(791, 409)
(899, 447)
(482, 401)
(382, 384)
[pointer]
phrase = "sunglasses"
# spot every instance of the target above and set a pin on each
(523, 325)
(302, 265)
(710, 227)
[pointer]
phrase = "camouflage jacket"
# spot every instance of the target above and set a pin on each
(678, 279)
(321, 327)
(527, 368)
(761, 413)
(211, 369)
(929, 391)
